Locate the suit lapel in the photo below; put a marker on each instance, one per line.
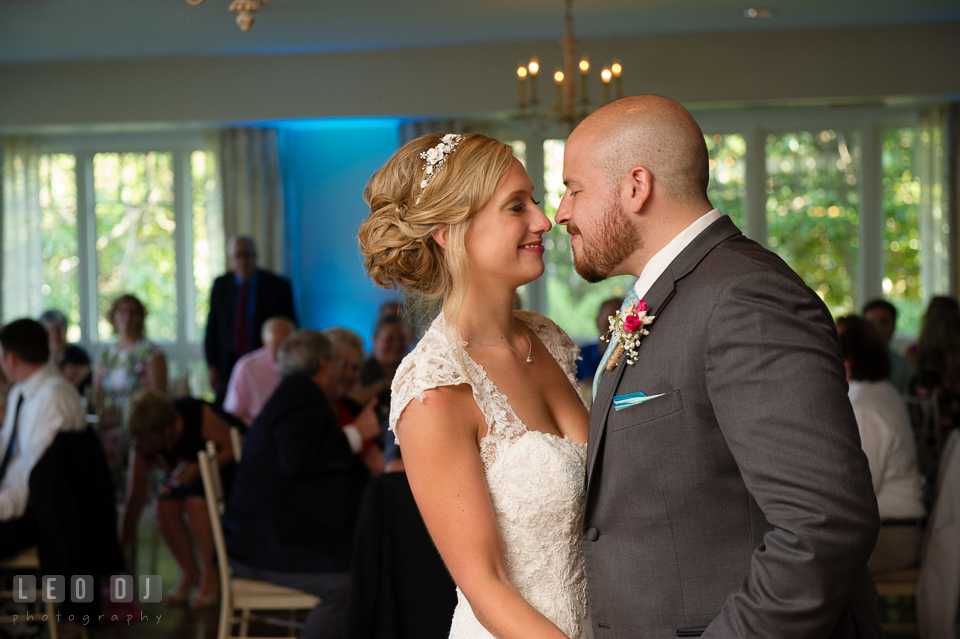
(657, 299)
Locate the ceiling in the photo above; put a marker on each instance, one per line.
(59, 30)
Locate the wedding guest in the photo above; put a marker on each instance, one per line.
(887, 439)
(169, 434)
(396, 307)
(240, 302)
(290, 517)
(938, 358)
(132, 362)
(883, 315)
(42, 403)
(376, 374)
(592, 354)
(256, 374)
(348, 350)
(72, 360)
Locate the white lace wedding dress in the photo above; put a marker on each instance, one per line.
(536, 480)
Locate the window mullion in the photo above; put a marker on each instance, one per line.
(87, 249)
(755, 210)
(183, 244)
(870, 283)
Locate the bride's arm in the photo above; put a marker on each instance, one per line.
(439, 438)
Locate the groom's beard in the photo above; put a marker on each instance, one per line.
(615, 239)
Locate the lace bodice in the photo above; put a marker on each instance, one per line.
(536, 480)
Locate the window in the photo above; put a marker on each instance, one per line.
(149, 223)
(571, 302)
(727, 187)
(850, 198)
(813, 211)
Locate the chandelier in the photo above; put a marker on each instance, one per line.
(243, 8)
(568, 108)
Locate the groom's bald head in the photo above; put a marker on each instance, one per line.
(653, 132)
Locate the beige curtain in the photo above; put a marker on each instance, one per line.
(22, 265)
(253, 191)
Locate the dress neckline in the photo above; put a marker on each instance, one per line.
(499, 395)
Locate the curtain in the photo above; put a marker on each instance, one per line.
(252, 191)
(934, 221)
(22, 266)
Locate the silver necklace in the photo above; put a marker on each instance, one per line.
(529, 343)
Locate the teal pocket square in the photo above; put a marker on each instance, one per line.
(626, 401)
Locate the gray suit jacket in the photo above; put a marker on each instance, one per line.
(738, 504)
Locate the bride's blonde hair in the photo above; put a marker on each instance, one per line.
(397, 237)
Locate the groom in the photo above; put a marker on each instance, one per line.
(729, 496)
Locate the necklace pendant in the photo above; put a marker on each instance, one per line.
(529, 360)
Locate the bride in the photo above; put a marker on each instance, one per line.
(486, 408)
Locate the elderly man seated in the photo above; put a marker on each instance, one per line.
(290, 517)
(256, 375)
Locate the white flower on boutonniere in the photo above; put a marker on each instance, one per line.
(627, 327)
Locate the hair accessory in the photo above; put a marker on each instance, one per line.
(436, 158)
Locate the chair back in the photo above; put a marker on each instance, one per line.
(236, 440)
(208, 466)
(924, 413)
(215, 473)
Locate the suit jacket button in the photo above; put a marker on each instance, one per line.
(593, 534)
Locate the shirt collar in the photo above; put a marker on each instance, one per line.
(665, 256)
(239, 280)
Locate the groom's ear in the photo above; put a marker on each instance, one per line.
(440, 235)
(636, 188)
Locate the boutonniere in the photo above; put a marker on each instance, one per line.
(627, 327)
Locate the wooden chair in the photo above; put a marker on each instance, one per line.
(902, 585)
(924, 413)
(28, 561)
(216, 477)
(239, 595)
(236, 439)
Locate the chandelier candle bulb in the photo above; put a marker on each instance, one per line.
(616, 69)
(605, 75)
(533, 68)
(584, 71)
(522, 76)
(558, 79)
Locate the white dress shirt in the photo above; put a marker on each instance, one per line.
(665, 256)
(887, 439)
(51, 404)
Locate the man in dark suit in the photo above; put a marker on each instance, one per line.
(727, 495)
(290, 516)
(240, 302)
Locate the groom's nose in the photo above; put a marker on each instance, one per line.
(563, 211)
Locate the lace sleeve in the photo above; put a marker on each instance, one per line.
(429, 365)
(563, 349)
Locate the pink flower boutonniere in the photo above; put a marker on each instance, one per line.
(627, 327)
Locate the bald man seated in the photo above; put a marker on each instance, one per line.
(256, 375)
(727, 494)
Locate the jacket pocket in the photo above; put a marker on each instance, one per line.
(690, 632)
(667, 404)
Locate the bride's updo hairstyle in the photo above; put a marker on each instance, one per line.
(397, 237)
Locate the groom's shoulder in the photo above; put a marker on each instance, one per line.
(741, 256)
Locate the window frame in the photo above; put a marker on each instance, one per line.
(180, 144)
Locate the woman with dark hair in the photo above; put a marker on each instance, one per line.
(938, 358)
(887, 439)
